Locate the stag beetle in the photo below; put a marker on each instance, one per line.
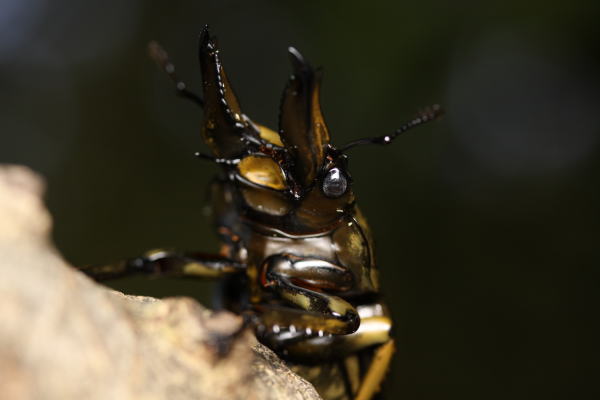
(297, 254)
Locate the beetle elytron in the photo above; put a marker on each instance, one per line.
(297, 253)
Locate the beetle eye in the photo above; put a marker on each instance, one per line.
(335, 183)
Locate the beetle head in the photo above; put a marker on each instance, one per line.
(294, 176)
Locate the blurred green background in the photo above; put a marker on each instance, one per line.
(486, 221)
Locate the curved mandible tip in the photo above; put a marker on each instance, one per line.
(299, 63)
(225, 126)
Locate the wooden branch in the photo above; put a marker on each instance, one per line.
(62, 336)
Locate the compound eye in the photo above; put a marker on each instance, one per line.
(335, 183)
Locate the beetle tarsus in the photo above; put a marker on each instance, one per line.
(168, 263)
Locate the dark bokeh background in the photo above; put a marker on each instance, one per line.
(486, 221)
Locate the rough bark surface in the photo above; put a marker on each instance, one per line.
(62, 336)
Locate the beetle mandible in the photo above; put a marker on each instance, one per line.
(297, 254)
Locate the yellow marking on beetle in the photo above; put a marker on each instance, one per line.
(321, 133)
(339, 306)
(372, 330)
(263, 171)
(266, 201)
(269, 135)
(353, 369)
(197, 269)
(377, 370)
(299, 299)
(327, 322)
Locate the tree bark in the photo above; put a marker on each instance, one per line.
(62, 336)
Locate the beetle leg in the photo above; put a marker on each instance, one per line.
(374, 330)
(167, 263)
(300, 282)
(378, 368)
(359, 384)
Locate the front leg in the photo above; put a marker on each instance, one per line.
(302, 283)
(167, 263)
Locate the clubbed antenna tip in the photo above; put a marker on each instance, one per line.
(161, 58)
(426, 115)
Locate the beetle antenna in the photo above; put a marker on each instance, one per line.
(226, 161)
(427, 115)
(160, 57)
